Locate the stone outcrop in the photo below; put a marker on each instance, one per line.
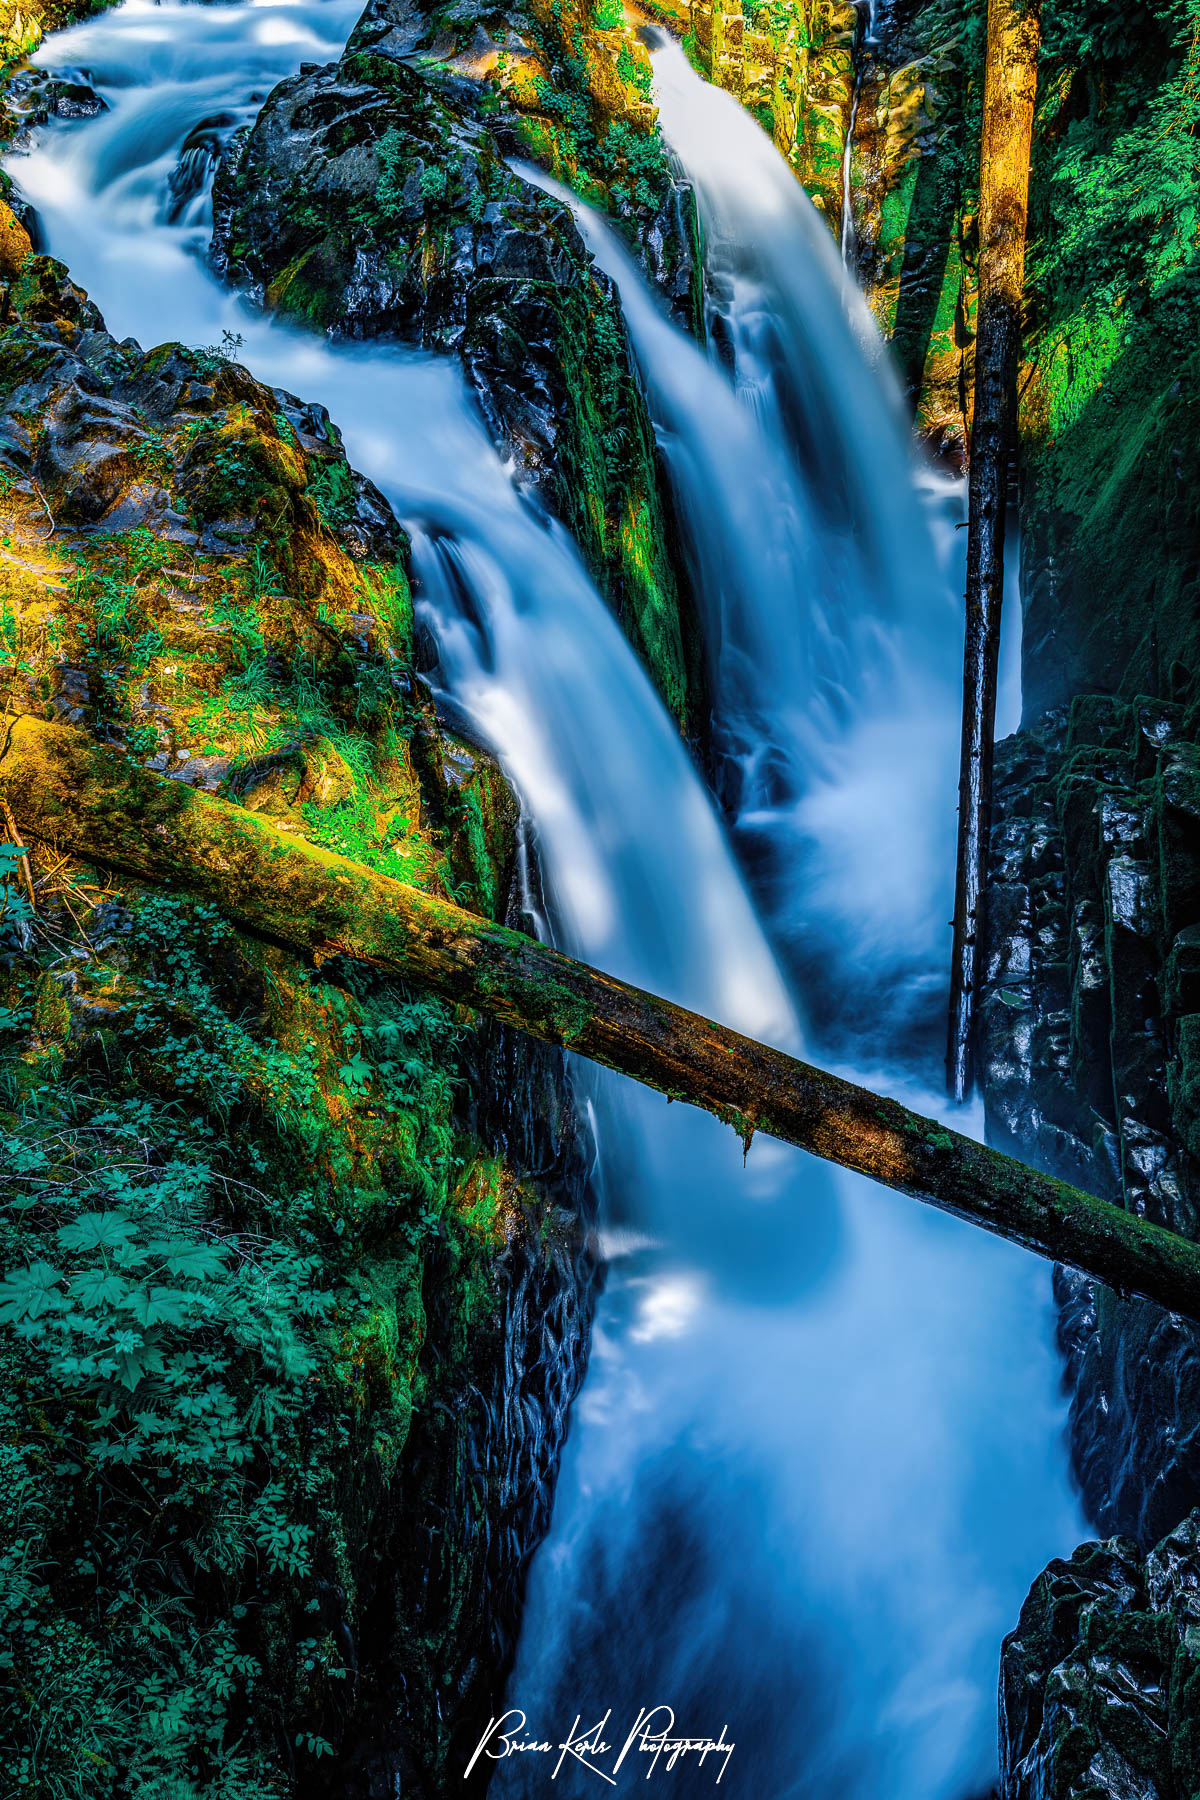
(1100, 1682)
(1090, 1030)
(371, 197)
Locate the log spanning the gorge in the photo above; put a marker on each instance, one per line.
(1009, 91)
(67, 793)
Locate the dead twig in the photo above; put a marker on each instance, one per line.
(53, 527)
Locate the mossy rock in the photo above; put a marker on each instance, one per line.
(366, 201)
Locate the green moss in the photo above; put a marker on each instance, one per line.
(1114, 450)
(1112, 498)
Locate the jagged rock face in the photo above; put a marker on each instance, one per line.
(35, 96)
(1093, 1015)
(194, 574)
(1100, 1681)
(367, 201)
(1089, 1034)
(362, 202)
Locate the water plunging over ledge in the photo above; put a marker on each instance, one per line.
(816, 1459)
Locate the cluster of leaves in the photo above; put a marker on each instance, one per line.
(157, 1369)
(110, 606)
(178, 1416)
(1120, 200)
(393, 160)
(635, 164)
(357, 829)
(331, 490)
(604, 159)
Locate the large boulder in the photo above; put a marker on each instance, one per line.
(366, 200)
(1100, 1681)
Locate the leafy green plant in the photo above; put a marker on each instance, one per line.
(332, 492)
(15, 909)
(389, 191)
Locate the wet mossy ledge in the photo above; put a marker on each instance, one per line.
(373, 198)
(1100, 1681)
(290, 1256)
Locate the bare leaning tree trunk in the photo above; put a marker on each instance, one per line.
(1010, 84)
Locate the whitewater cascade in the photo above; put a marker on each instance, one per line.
(816, 1460)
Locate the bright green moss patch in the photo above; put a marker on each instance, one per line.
(1108, 409)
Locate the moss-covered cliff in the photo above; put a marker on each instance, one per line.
(291, 1256)
(1109, 507)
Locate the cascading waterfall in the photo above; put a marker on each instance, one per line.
(815, 1462)
(810, 684)
(804, 356)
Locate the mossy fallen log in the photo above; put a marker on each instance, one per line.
(67, 792)
(1009, 92)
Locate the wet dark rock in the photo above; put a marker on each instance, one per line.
(1088, 1035)
(35, 96)
(1100, 1681)
(198, 158)
(1087, 1028)
(426, 235)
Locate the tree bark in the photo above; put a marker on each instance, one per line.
(66, 792)
(1010, 84)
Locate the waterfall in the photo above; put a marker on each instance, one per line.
(812, 680)
(815, 1461)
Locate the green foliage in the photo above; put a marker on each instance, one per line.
(638, 73)
(236, 482)
(608, 15)
(635, 163)
(187, 1294)
(1120, 207)
(389, 191)
(357, 830)
(432, 185)
(15, 909)
(332, 492)
(214, 357)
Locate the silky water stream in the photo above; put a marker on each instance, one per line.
(817, 1457)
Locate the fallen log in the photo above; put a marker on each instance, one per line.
(1009, 91)
(67, 792)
